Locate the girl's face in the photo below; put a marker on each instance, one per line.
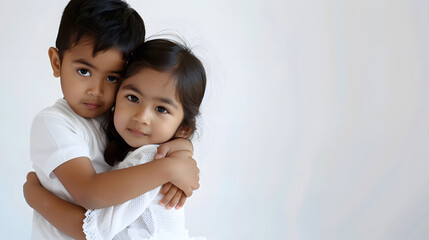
(147, 110)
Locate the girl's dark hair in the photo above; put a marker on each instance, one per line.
(186, 70)
(111, 23)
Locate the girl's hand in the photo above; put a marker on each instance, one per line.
(179, 144)
(173, 196)
(185, 173)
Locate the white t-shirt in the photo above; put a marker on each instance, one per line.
(140, 218)
(58, 134)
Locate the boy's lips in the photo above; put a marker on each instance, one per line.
(92, 105)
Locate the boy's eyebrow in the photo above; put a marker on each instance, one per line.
(164, 100)
(81, 61)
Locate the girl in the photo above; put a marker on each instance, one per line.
(158, 100)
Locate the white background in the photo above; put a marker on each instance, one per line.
(314, 126)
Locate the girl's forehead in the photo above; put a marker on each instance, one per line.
(148, 76)
(151, 82)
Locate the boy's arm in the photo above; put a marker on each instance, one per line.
(105, 223)
(53, 208)
(92, 190)
(50, 150)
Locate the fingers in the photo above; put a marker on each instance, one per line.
(173, 197)
(32, 178)
(162, 151)
(181, 202)
(188, 192)
(30, 175)
(196, 186)
(168, 196)
(165, 188)
(175, 200)
(196, 183)
(192, 185)
(32, 181)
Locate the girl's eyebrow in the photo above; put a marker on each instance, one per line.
(161, 99)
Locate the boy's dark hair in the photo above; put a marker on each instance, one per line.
(190, 80)
(111, 23)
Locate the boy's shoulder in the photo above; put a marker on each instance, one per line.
(60, 108)
(61, 112)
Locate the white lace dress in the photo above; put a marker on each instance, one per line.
(139, 218)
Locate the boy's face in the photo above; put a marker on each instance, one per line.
(89, 83)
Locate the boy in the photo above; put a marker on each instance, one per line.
(94, 39)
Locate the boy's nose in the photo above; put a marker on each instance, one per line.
(96, 89)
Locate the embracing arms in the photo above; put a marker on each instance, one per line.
(53, 208)
(92, 190)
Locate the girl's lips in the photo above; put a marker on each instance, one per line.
(136, 132)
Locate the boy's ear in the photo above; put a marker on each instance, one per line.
(183, 132)
(54, 58)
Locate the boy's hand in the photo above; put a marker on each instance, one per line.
(173, 196)
(179, 144)
(31, 187)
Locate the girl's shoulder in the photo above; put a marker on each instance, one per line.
(139, 156)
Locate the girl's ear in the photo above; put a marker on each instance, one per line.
(54, 58)
(183, 132)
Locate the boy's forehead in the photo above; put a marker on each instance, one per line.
(84, 42)
(110, 59)
(85, 47)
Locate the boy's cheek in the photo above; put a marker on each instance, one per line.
(110, 95)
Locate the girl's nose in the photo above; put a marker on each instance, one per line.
(143, 116)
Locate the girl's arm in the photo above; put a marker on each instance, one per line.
(53, 208)
(92, 190)
(173, 196)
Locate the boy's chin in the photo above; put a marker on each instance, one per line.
(90, 113)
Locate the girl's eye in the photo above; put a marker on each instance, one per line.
(161, 109)
(112, 79)
(133, 98)
(84, 72)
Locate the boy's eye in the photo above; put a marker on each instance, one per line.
(133, 98)
(84, 72)
(112, 79)
(161, 109)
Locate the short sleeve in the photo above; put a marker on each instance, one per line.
(53, 141)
